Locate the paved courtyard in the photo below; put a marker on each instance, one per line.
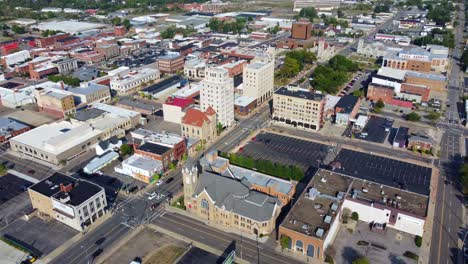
(382, 248)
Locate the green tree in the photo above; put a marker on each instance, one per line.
(116, 21)
(380, 104)
(172, 166)
(413, 116)
(125, 150)
(219, 128)
(285, 242)
(3, 169)
(464, 59)
(126, 23)
(361, 261)
(355, 216)
(418, 241)
(358, 93)
(464, 177)
(433, 116)
(339, 13)
(18, 30)
(308, 12)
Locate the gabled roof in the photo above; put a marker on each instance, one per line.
(195, 117)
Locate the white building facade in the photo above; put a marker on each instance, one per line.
(218, 92)
(258, 80)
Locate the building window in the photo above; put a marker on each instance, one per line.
(204, 204)
(310, 250)
(299, 246)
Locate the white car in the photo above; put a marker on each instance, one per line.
(153, 195)
(159, 182)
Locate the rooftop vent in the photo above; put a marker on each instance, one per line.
(340, 195)
(313, 192)
(334, 206)
(328, 219)
(323, 179)
(319, 232)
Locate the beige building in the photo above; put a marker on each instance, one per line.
(298, 107)
(228, 203)
(199, 125)
(126, 82)
(74, 202)
(258, 79)
(92, 93)
(56, 143)
(57, 103)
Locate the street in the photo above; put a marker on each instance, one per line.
(449, 219)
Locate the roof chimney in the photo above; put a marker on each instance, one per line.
(66, 188)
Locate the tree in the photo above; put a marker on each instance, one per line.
(355, 216)
(380, 104)
(219, 128)
(172, 166)
(18, 30)
(116, 21)
(418, 241)
(433, 116)
(361, 261)
(464, 58)
(339, 13)
(358, 93)
(285, 242)
(126, 23)
(125, 150)
(3, 169)
(308, 12)
(413, 116)
(464, 177)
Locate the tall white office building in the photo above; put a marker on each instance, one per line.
(218, 92)
(258, 79)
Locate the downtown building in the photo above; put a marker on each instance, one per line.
(218, 92)
(296, 107)
(258, 79)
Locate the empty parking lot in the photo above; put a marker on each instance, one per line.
(285, 150)
(386, 171)
(11, 186)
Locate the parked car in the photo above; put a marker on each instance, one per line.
(97, 253)
(159, 182)
(169, 180)
(151, 196)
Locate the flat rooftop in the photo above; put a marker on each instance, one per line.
(313, 214)
(299, 93)
(154, 148)
(68, 26)
(398, 174)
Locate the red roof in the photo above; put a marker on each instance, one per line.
(195, 117)
(180, 102)
(210, 111)
(402, 103)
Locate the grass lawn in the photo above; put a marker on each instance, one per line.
(165, 255)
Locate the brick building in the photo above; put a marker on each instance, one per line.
(302, 29)
(170, 63)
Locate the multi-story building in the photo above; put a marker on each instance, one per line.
(174, 109)
(56, 143)
(165, 147)
(417, 59)
(128, 82)
(74, 202)
(10, 60)
(301, 29)
(65, 65)
(218, 92)
(45, 42)
(199, 125)
(258, 79)
(170, 63)
(195, 69)
(141, 168)
(89, 93)
(58, 103)
(112, 121)
(293, 106)
(109, 51)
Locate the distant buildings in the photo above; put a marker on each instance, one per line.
(296, 107)
(10, 128)
(170, 63)
(73, 202)
(301, 29)
(126, 82)
(218, 92)
(317, 4)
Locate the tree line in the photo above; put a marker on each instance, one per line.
(287, 172)
(294, 62)
(330, 77)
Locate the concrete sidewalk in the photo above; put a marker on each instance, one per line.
(424, 253)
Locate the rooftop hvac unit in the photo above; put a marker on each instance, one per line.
(327, 219)
(319, 233)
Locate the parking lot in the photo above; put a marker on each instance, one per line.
(11, 186)
(157, 123)
(26, 166)
(142, 58)
(386, 248)
(376, 129)
(386, 171)
(43, 235)
(285, 150)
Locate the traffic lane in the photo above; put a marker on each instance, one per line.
(200, 232)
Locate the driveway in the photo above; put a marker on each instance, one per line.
(382, 248)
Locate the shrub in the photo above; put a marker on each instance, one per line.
(380, 104)
(413, 117)
(285, 242)
(329, 259)
(355, 216)
(418, 241)
(411, 255)
(361, 261)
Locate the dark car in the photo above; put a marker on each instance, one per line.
(169, 180)
(100, 241)
(97, 253)
(31, 171)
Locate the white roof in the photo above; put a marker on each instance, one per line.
(392, 73)
(58, 137)
(243, 100)
(68, 26)
(187, 91)
(144, 163)
(116, 110)
(361, 121)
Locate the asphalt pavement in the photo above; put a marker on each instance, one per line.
(449, 221)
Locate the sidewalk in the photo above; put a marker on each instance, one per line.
(424, 253)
